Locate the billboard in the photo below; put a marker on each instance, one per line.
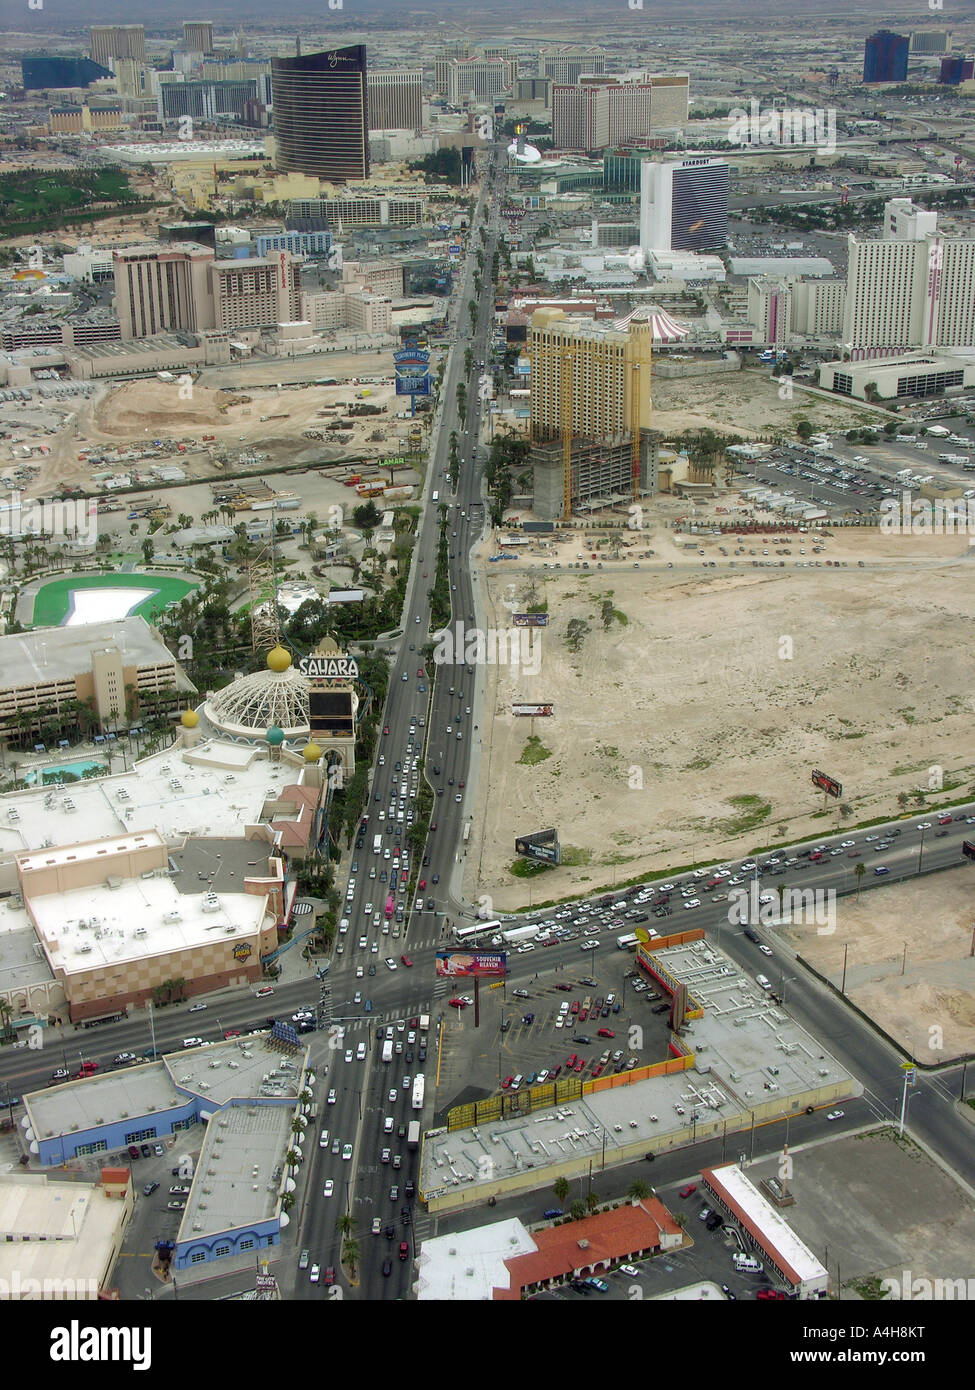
(827, 784)
(528, 619)
(542, 845)
(412, 384)
(466, 964)
(533, 711)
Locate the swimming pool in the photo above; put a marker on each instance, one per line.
(63, 772)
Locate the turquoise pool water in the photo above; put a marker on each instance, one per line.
(51, 774)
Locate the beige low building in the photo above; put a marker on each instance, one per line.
(60, 1240)
(107, 666)
(117, 930)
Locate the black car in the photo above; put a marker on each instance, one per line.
(714, 1221)
(387, 1268)
(581, 1038)
(580, 1286)
(389, 1232)
(422, 1055)
(649, 1157)
(661, 1008)
(727, 1293)
(426, 860)
(149, 1189)
(409, 1189)
(146, 1151)
(405, 1215)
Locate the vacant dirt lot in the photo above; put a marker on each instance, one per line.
(923, 929)
(686, 728)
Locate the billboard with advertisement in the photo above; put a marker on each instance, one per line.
(461, 965)
(542, 845)
(827, 784)
(412, 385)
(527, 619)
(533, 711)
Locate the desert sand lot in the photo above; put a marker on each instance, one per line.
(133, 413)
(712, 685)
(749, 403)
(922, 927)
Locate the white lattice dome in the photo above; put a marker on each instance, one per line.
(253, 704)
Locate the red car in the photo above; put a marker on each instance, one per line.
(573, 1058)
(385, 728)
(686, 1191)
(597, 1069)
(434, 826)
(770, 1293)
(405, 960)
(231, 1032)
(506, 1082)
(565, 987)
(583, 1015)
(605, 1033)
(462, 785)
(422, 884)
(575, 1007)
(554, 1073)
(420, 673)
(329, 1277)
(404, 1250)
(458, 1003)
(580, 1064)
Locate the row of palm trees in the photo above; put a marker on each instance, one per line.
(638, 1191)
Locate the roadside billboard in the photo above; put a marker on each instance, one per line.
(827, 784)
(455, 965)
(533, 711)
(527, 619)
(542, 845)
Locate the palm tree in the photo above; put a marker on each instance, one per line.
(592, 1201)
(350, 1253)
(346, 1224)
(561, 1189)
(292, 1158)
(578, 1209)
(860, 870)
(639, 1190)
(780, 889)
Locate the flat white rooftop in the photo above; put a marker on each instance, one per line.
(776, 1229)
(467, 1266)
(220, 1072)
(238, 1177)
(221, 792)
(59, 653)
(94, 928)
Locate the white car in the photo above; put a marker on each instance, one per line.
(323, 1139)
(390, 963)
(347, 1152)
(589, 946)
(360, 1052)
(765, 950)
(329, 1188)
(630, 1270)
(767, 898)
(693, 902)
(331, 1098)
(195, 1008)
(836, 1115)
(359, 972)
(348, 1054)
(367, 909)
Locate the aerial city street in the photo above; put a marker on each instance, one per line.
(487, 807)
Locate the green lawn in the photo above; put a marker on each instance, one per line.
(53, 602)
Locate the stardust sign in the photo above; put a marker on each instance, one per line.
(329, 668)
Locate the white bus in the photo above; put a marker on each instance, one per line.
(628, 942)
(435, 497)
(467, 832)
(479, 929)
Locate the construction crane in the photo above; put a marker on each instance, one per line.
(263, 595)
